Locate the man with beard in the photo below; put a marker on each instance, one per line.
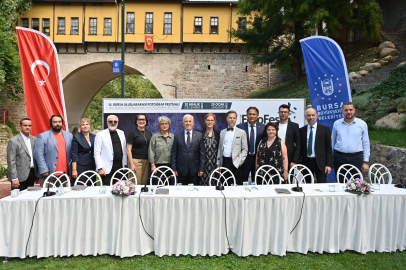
(52, 150)
(350, 140)
(318, 157)
(110, 150)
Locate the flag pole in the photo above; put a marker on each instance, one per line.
(122, 47)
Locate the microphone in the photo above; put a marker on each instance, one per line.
(297, 188)
(219, 186)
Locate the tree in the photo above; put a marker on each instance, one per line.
(275, 27)
(136, 86)
(10, 68)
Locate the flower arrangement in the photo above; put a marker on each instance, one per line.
(123, 188)
(358, 186)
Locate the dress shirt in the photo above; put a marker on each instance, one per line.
(28, 144)
(351, 138)
(255, 135)
(228, 143)
(189, 135)
(314, 139)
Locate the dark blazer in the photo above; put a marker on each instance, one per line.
(292, 142)
(216, 136)
(82, 152)
(322, 146)
(261, 134)
(185, 160)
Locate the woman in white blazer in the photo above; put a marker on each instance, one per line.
(110, 150)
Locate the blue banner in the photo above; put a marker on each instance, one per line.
(327, 77)
(116, 66)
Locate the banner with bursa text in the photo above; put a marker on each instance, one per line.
(41, 79)
(327, 77)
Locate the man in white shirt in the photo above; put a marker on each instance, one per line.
(20, 158)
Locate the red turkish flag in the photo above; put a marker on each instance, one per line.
(149, 43)
(41, 79)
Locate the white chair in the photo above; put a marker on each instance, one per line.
(161, 173)
(221, 176)
(299, 173)
(122, 174)
(88, 175)
(378, 172)
(348, 171)
(270, 172)
(55, 178)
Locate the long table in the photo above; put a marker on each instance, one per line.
(194, 222)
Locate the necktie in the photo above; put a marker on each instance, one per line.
(188, 140)
(252, 141)
(310, 144)
(228, 129)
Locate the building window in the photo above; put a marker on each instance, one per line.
(168, 24)
(74, 28)
(93, 26)
(198, 25)
(242, 23)
(214, 25)
(25, 22)
(130, 22)
(61, 26)
(35, 24)
(149, 23)
(258, 22)
(107, 26)
(45, 27)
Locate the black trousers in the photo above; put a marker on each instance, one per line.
(248, 167)
(107, 179)
(189, 179)
(342, 158)
(228, 163)
(321, 176)
(29, 182)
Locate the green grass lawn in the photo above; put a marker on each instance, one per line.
(387, 136)
(344, 260)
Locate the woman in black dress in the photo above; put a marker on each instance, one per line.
(272, 151)
(211, 138)
(83, 151)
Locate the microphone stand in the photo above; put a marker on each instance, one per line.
(297, 188)
(49, 193)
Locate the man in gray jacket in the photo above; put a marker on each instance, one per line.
(20, 158)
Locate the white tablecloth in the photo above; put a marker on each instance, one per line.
(331, 221)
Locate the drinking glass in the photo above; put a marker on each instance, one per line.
(102, 190)
(331, 188)
(377, 186)
(245, 183)
(150, 191)
(233, 187)
(14, 193)
(59, 191)
(178, 186)
(191, 187)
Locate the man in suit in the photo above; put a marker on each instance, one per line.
(233, 146)
(188, 155)
(255, 133)
(53, 150)
(289, 134)
(317, 157)
(20, 159)
(110, 150)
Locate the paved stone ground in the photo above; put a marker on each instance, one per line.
(5, 188)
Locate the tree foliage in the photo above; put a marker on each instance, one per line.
(275, 27)
(135, 86)
(10, 68)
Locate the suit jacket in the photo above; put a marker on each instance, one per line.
(322, 146)
(184, 160)
(261, 134)
(103, 150)
(18, 158)
(240, 147)
(82, 152)
(292, 142)
(46, 151)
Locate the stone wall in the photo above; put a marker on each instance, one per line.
(17, 109)
(393, 14)
(394, 158)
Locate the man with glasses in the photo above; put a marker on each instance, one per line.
(110, 150)
(289, 134)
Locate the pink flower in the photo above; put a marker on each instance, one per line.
(362, 189)
(361, 181)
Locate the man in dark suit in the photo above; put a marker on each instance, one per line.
(289, 134)
(318, 157)
(188, 153)
(20, 158)
(255, 133)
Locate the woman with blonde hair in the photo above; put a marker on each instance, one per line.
(83, 150)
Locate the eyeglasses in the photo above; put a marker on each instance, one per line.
(283, 112)
(164, 124)
(113, 122)
(141, 120)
